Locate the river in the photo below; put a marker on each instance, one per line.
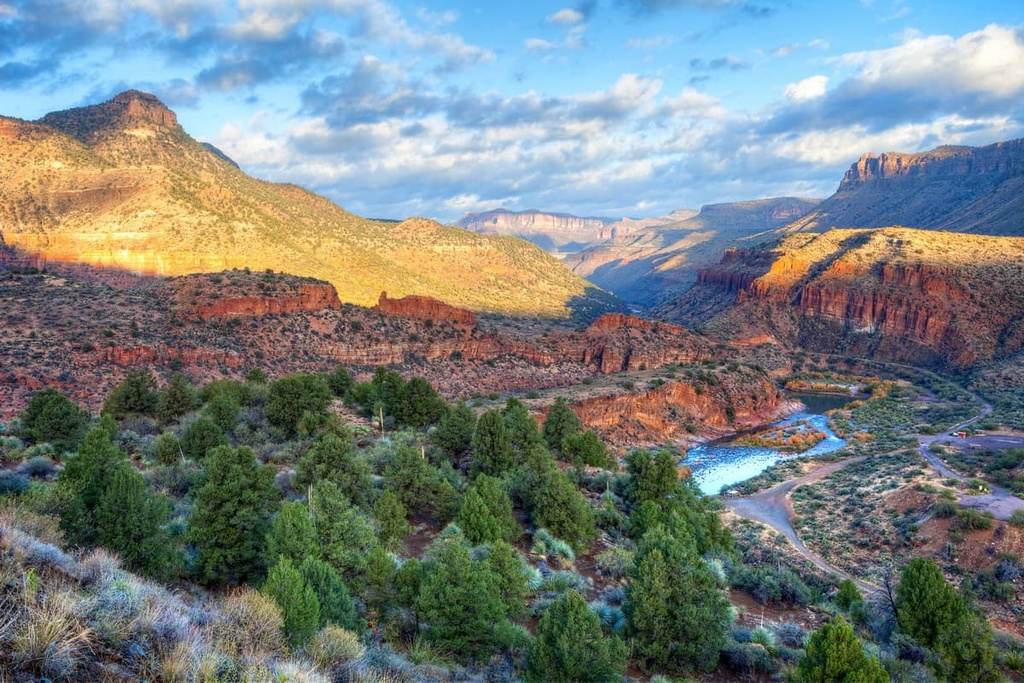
(720, 464)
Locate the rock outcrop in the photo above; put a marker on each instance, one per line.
(425, 308)
(964, 189)
(892, 294)
(312, 297)
(552, 231)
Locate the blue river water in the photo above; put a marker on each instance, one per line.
(718, 465)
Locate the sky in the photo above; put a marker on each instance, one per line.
(396, 108)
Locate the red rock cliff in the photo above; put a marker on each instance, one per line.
(312, 297)
(425, 308)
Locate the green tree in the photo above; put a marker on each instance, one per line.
(499, 505)
(86, 478)
(390, 515)
(340, 382)
(292, 534)
(492, 447)
(231, 516)
(652, 476)
(379, 581)
(522, 429)
(848, 595)
(570, 647)
(678, 617)
(834, 655)
(290, 397)
(336, 606)
(345, 533)
(554, 503)
(418, 404)
(454, 433)
(299, 605)
(965, 653)
(560, 422)
(925, 602)
(176, 399)
(507, 565)
(135, 395)
(201, 436)
(334, 458)
(419, 485)
(584, 449)
(223, 410)
(476, 521)
(167, 449)
(239, 393)
(130, 521)
(461, 603)
(51, 417)
(388, 387)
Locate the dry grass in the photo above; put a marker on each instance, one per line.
(51, 639)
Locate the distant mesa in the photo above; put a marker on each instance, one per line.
(963, 189)
(556, 232)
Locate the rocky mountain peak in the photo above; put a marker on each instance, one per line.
(127, 111)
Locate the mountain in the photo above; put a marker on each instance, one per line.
(644, 261)
(555, 232)
(924, 297)
(964, 189)
(121, 184)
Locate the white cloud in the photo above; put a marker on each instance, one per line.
(807, 89)
(539, 45)
(651, 42)
(566, 16)
(985, 62)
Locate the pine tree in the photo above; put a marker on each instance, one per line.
(677, 615)
(299, 605)
(652, 476)
(340, 382)
(418, 404)
(379, 581)
(86, 478)
(334, 458)
(561, 421)
(201, 436)
(130, 521)
(167, 449)
(454, 433)
(290, 397)
(390, 515)
(925, 602)
(570, 647)
(834, 655)
(554, 503)
(51, 417)
(346, 535)
(336, 606)
(223, 410)
(499, 505)
(176, 399)
(476, 521)
(292, 534)
(584, 449)
(461, 603)
(231, 516)
(135, 395)
(522, 429)
(492, 447)
(420, 486)
(507, 565)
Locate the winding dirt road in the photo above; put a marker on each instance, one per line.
(774, 507)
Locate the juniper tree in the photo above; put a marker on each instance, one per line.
(130, 521)
(292, 534)
(231, 516)
(299, 605)
(570, 647)
(51, 417)
(86, 478)
(560, 422)
(345, 534)
(454, 433)
(336, 606)
(834, 655)
(289, 398)
(499, 505)
(135, 395)
(201, 436)
(390, 514)
(334, 458)
(492, 447)
(476, 521)
(176, 399)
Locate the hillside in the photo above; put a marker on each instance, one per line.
(922, 297)
(644, 261)
(555, 232)
(964, 189)
(121, 184)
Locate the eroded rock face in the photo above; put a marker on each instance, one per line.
(309, 298)
(425, 308)
(893, 294)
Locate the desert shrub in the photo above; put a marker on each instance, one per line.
(944, 509)
(39, 467)
(13, 483)
(334, 647)
(249, 625)
(614, 562)
(970, 519)
(790, 634)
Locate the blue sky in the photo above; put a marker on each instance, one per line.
(396, 108)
